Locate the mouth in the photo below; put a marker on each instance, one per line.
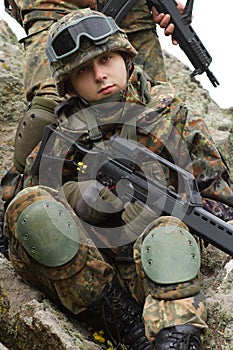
(106, 89)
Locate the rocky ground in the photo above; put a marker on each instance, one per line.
(27, 319)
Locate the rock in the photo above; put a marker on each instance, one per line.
(217, 284)
(12, 102)
(30, 321)
(219, 121)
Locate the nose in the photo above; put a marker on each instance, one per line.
(99, 73)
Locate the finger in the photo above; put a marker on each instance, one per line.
(156, 15)
(132, 210)
(180, 7)
(169, 29)
(154, 11)
(174, 42)
(128, 215)
(164, 23)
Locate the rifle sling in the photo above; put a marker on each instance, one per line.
(117, 9)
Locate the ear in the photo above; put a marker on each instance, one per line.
(70, 89)
(128, 63)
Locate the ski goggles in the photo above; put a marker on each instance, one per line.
(67, 40)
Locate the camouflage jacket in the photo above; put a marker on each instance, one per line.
(154, 117)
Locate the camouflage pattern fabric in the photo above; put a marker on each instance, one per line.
(166, 128)
(62, 69)
(178, 135)
(80, 281)
(38, 16)
(168, 305)
(12, 183)
(37, 74)
(139, 17)
(76, 283)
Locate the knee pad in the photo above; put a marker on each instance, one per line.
(170, 255)
(48, 232)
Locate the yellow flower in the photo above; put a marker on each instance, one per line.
(99, 336)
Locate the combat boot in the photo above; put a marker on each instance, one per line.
(122, 317)
(182, 337)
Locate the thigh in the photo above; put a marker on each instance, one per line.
(37, 74)
(150, 55)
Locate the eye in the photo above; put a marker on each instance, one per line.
(106, 58)
(82, 70)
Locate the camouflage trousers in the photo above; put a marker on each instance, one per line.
(79, 282)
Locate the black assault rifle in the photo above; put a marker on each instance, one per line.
(186, 36)
(119, 169)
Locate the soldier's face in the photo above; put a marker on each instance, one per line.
(103, 76)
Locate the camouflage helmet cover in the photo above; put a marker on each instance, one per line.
(61, 69)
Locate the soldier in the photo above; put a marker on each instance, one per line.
(66, 237)
(36, 17)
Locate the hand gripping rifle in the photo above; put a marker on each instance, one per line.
(186, 36)
(118, 168)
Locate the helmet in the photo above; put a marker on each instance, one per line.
(79, 37)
